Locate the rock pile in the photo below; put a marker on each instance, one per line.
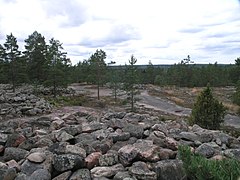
(88, 145)
(19, 104)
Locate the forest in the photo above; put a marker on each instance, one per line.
(46, 63)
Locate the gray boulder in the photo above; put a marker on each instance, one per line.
(208, 149)
(106, 171)
(119, 135)
(14, 153)
(147, 151)
(81, 174)
(233, 153)
(29, 167)
(3, 138)
(116, 123)
(134, 130)
(170, 170)
(141, 171)
(160, 127)
(21, 176)
(63, 176)
(124, 175)
(7, 173)
(40, 174)
(189, 136)
(127, 154)
(67, 162)
(109, 159)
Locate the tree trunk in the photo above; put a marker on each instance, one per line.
(13, 76)
(132, 101)
(98, 90)
(115, 93)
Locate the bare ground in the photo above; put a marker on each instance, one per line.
(173, 100)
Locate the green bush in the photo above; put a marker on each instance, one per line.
(199, 168)
(207, 112)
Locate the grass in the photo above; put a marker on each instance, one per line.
(186, 96)
(61, 101)
(85, 100)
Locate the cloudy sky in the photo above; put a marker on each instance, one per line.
(163, 31)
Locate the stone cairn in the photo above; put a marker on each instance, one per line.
(87, 144)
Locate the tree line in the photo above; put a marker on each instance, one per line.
(40, 63)
(47, 64)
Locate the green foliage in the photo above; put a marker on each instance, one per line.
(58, 64)
(131, 79)
(12, 58)
(36, 57)
(97, 68)
(200, 168)
(207, 112)
(237, 61)
(115, 83)
(37, 65)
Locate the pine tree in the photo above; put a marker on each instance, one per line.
(131, 79)
(58, 62)
(2, 65)
(114, 79)
(97, 68)
(36, 57)
(208, 112)
(12, 55)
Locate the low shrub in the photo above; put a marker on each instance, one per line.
(200, 168)
(207, 112)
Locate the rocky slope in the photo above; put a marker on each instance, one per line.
(88, 144)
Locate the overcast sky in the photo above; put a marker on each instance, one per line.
(163, 31)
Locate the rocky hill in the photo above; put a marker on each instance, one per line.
(91, 144)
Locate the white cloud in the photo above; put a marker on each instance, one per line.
(163, 31)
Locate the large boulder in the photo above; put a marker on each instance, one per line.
(6, 172)
(81, 174)
(106, 171)
(14, 140)
(37, 157)
(40, 174)
(63, 176)
(29, 167)
(233, 153)
(67, 162)
(92, 160)
(14, 153)
(127, 154)
(109, 159)
(141, 171)
(134, 130)
(208, 149)
(170, 170)
(147, 151)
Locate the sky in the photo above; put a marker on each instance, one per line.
(160, 31)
